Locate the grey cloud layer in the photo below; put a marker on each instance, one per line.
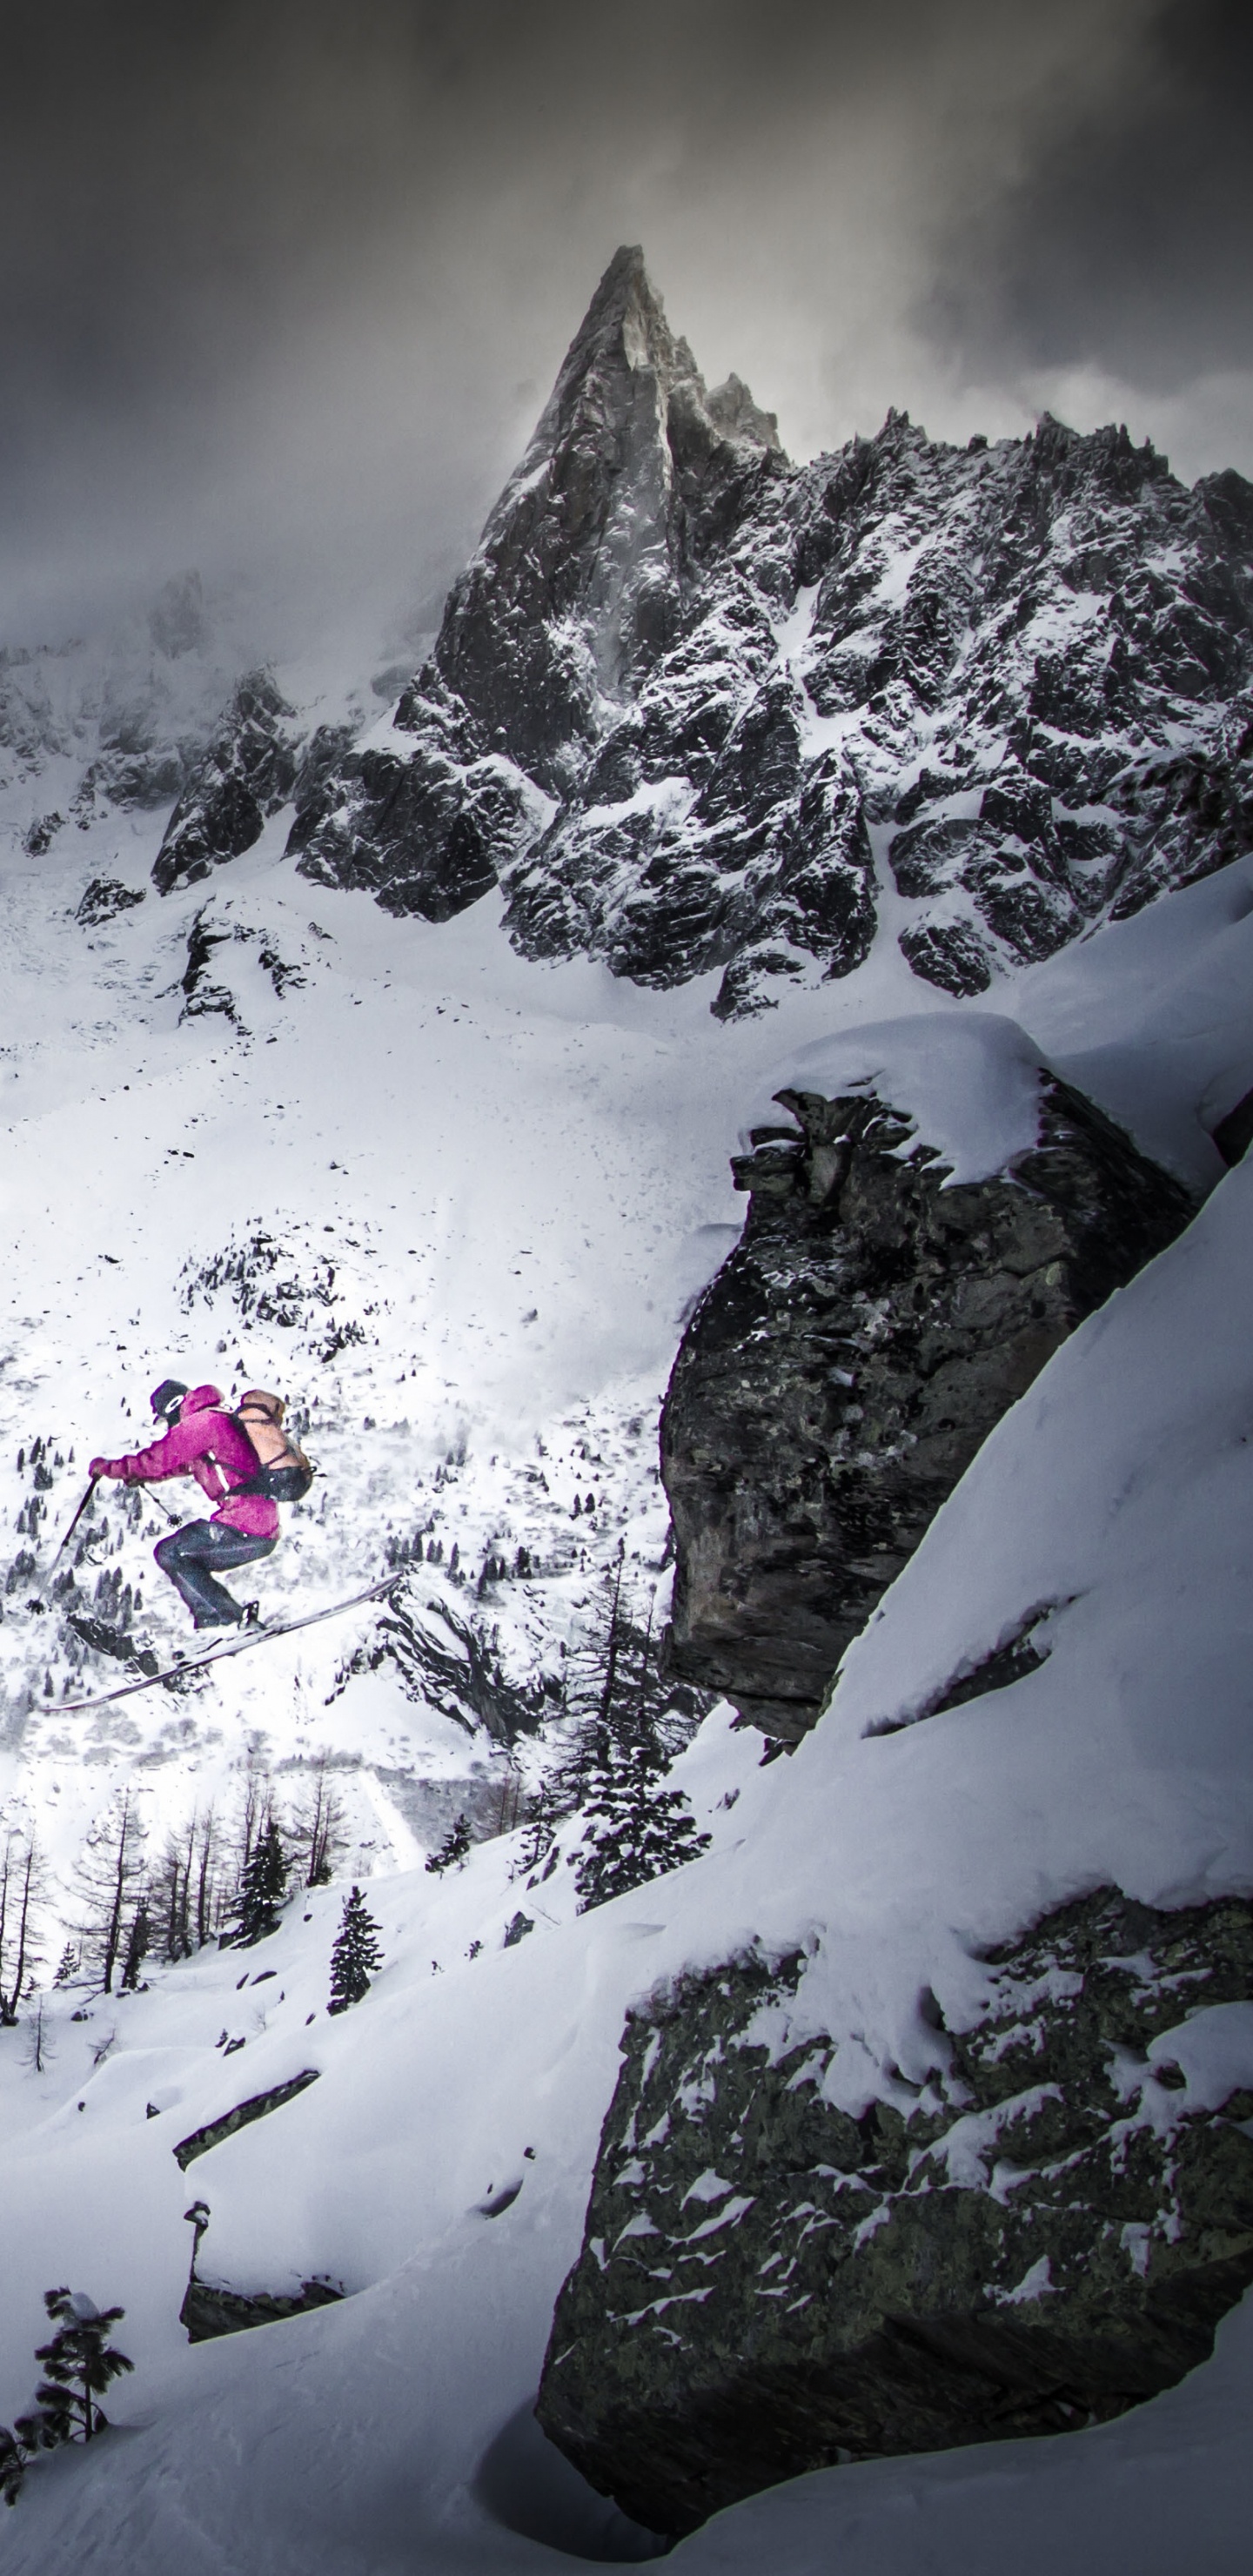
(282, 283)
(1127, 241)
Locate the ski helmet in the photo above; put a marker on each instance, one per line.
(166, 1400)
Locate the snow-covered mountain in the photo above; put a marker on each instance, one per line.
(695, 707)
(375, 1061)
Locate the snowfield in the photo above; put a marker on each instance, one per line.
(492, 1190)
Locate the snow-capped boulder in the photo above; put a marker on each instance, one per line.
(1043, 2232)
(939, 1217)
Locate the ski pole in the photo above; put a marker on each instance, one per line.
(172, 1517)
(77, 1518)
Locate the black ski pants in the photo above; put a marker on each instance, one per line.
(193, 1555)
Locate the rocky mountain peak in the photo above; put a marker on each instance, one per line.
(623, 330)
(693, 706)
(732, 409)
(577, 585)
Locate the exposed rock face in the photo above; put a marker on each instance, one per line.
(426, 825)
(103, 900)
(691, 703)
(257, 2107)
(851, 1356)
(249, 771)
(1043, 2236)
(452, 1665)
(576, 589)
(208, 2311)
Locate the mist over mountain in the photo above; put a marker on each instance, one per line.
(281, 294)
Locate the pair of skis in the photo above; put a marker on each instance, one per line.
(260, 1636)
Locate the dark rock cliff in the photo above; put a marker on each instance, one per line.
(694, 706)
(1041, 2236)
(247, 774)
(851, 1356)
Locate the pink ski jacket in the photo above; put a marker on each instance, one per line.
(211, 1446)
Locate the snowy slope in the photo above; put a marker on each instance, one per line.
(517, 1173)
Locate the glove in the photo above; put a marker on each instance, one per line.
(99, 1467)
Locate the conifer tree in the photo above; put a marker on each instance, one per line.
(263, 1887)
(454, 1849)
(355, 1955)
(636, 1830)
(79, 2364)
(542, 1818)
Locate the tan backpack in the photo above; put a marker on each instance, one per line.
(284, 1474)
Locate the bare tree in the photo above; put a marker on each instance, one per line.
(108, 1879)
(40, 2046)
(170, 1898)
(321, 1835)
(186, 1899)
(138, 1944)
(21, 1887)
(258, 1802)
(206, 1881)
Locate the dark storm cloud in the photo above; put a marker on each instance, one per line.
(1128, 242)
(284, 282)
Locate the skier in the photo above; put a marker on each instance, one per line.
(203, 1440)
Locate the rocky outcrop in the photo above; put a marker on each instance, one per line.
(212, 2308)
(208, 2311)
(689, 702)
(452, 1664)
(425, 823)
(840, 1372)
(257, 2107)
(1042, 2235)
(104, 899)
(248, 772)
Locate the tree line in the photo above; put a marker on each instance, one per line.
(217, 1877)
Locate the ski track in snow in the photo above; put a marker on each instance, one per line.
(519, 1176)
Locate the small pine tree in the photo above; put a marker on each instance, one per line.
(79, 2364)
(68, 1968)
(454, 1849)
(355, 1954)
(539, 1832)
(263, 1886)
(636, 1830)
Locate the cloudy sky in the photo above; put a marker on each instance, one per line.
(283, 283)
